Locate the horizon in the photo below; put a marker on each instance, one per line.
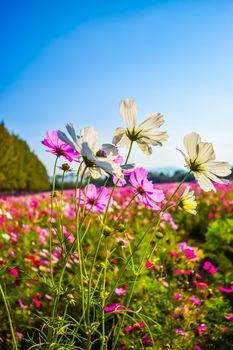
(75, 62)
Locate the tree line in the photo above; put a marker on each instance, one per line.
(20, 168)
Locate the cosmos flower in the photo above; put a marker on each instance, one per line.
(200, 160)
(121, 290)
(96, 198)
(145, 189)
(188, 202)
(58, 147)
(143, 134)
(99, 160)
(113, 308)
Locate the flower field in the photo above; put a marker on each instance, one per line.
(128, 265)
(180, 275)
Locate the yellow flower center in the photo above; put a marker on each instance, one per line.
(133, 134)
(195, 166)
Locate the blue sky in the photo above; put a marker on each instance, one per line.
(74, 61)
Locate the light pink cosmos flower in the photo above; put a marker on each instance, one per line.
(126, 171)
(58, 147)
(181, 332)
(121, 290)
(21, 304)
(145, 189)
(96, 198)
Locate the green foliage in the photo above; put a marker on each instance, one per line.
(20, 168)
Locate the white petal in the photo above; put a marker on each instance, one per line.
(117, 136)
(71, 131)
(146, 149)
(128, 112)
(218, 168)
(87, 152)
(89, 135)
(205, 152)
(153, 137)
(190, 143)
(124, 141)
(215, 178)
(95, 172)
(62, 136)
(154, 120)
(204, 182)
(184, 155)
(111, 150)
(109, 167)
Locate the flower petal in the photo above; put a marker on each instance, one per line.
(154, 120)
(204, 182)
(128, 112)
(218, 168)
(205, 152)
(190, 143)
(153, 137)
(146, 149)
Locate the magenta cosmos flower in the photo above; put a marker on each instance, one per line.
(96, 198)
(145, 189)
(58, 147)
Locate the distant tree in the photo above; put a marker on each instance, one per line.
(20, 168)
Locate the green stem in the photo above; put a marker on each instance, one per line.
(7, 306)
(51, 218)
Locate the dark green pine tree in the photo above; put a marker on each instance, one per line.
(20, 168)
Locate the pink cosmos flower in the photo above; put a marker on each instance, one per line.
(197, 347)
(14, 272)
(202, 328)
(96, 198)
(58, 147)
(122, 241)
(229, 317)
(149, 264)
(113, 308)
(121, 290)
(120, 182)
(146, 340)
(208, 266)
(226, 290)
(19, 335)
(145, 189)
(36, 302)
(195, 300)
(181, 332)
(201, 284)
(21, 304)
(177, 296)
(174, 254)
(190, 254)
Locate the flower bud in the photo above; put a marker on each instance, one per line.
(65, 167)
(107, 230)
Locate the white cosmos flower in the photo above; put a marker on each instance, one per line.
(188, 201)
(200, 160)
(144, 133)
(98, 159)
